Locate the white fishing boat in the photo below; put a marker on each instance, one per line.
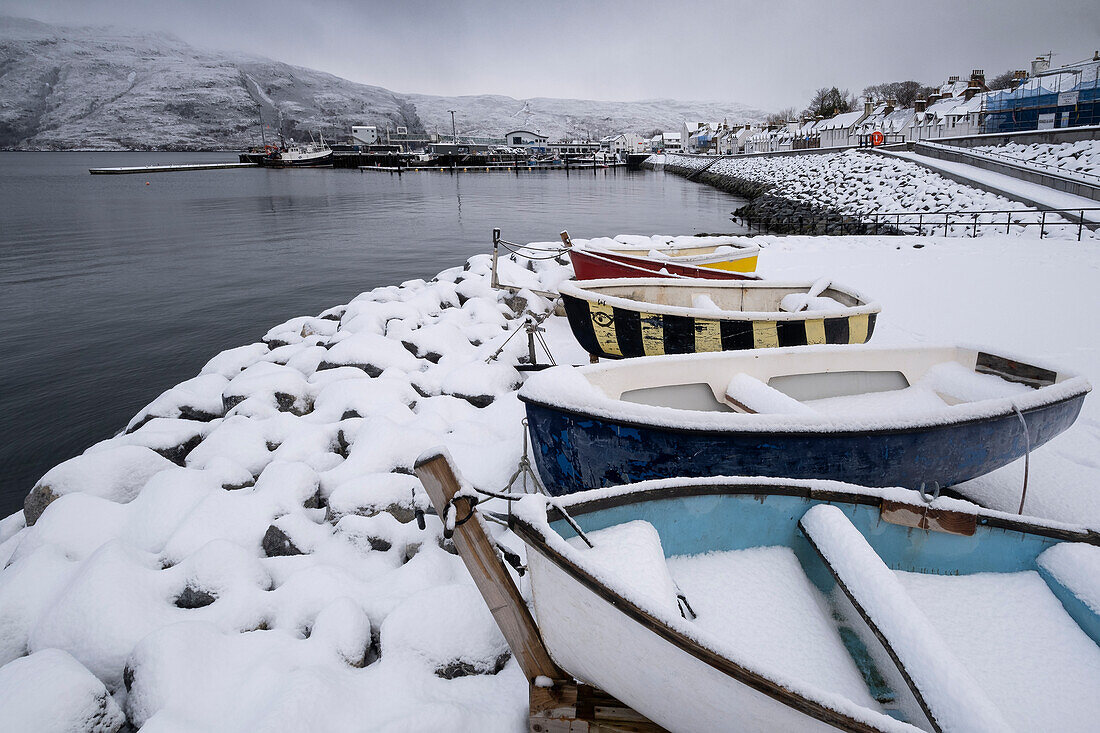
(300, 155)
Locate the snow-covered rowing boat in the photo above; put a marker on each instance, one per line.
(718, 257)
(756, 605)
(911, 417)
(646, 317)
(591, 264)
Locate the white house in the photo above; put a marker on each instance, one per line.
(364, 134)
(671, 141)
(695, 136)
(533, 141)
(627, 142)
(837, 131)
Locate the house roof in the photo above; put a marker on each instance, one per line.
(528, 132)
(843, 121)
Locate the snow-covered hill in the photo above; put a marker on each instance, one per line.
(564, 119)
(65, 87)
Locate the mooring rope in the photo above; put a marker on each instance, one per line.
(1027, 456)
(516, 250)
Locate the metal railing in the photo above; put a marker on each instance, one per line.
(928, 223)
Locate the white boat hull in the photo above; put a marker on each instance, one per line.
(599, 644)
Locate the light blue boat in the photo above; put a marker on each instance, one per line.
(809, 605)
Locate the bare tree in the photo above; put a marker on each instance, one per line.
(902, 91)
(1002, 81)
(782, 116)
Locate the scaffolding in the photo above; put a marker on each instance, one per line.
(1062, 97)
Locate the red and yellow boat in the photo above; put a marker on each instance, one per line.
(712, 258)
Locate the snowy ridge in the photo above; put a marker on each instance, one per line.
(569, 119)
(105, 89)
(67, 87)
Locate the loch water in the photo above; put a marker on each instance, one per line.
(115, 288)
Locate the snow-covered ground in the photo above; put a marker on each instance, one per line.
(1082, 156)
(858, 183)
(246, 558)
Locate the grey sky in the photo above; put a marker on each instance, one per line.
(768, 54)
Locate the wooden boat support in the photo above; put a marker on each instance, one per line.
(566, 707)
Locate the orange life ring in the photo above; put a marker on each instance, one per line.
(877, 138)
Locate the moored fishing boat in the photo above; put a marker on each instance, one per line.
(300, 155)
(723, 254)
(757, 605)
(911, 417)
(644, 317)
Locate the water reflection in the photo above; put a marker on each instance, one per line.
(113, 291)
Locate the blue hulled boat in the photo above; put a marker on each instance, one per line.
(773, 605)
(910, 417)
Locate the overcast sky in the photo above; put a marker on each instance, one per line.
(766, 53)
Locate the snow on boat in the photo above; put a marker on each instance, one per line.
(912, 417)
(756, 605)
(604, 257)
(645, 317)
(593, 264)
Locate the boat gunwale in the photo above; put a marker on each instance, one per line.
(742, 250)
(794, 429)
(578, 505)
(582, 292)
(609, 257)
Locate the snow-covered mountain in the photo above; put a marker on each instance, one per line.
(563, 119)
(64, 87)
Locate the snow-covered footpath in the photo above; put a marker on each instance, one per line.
(246, 557)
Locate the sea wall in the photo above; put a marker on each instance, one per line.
(848, 192)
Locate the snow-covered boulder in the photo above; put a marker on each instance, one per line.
(116, 474)
(50, 692)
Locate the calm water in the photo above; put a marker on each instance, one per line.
(112, 291)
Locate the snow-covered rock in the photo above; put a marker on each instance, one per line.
(859, 184)
(1081, 157)
(116, 474)
(50, 692)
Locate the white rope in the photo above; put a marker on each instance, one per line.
(1027, 456)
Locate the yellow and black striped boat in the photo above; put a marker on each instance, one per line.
(627, 317)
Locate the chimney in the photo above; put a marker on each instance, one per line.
(977, 79)
(971, 91)
(891, 103)
(919, 105)
(868, 107)
(1019, 75)
(952, 79)
(1039, 65)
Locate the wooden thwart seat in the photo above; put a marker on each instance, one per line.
(946, 692)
